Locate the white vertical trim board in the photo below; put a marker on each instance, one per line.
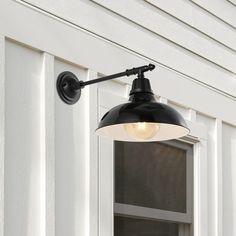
(200, 189)
(192, 115)
(2, 130)
(106, 184)
(183, 230)
(91, 116)
(48, 147)
(233, 152)
(218, 177)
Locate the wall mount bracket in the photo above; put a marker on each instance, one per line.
(69, 86)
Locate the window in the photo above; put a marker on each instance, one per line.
(153, 188)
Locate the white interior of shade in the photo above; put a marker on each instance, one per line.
(165, 132)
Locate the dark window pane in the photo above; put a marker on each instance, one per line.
(124, 226)
(150, 175)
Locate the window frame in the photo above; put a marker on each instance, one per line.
(158, 214)
(184, 220)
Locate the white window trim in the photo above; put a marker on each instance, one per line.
(150, 213)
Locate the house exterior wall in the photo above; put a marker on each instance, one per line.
(52, 176)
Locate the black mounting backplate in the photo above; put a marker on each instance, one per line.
(67, 87)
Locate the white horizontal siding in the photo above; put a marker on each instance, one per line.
(221, 9)
(200, 19)
(149, 45)
(232, 2)
(168, 27)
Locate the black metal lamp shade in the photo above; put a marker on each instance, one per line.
(169, 123)
(142, 119)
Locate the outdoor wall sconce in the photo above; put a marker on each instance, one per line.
(142, 119)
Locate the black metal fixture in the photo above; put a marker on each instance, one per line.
(141, 119)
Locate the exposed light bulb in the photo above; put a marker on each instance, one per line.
(141, 130)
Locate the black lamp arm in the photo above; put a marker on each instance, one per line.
(137, 70)
(69, 86)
